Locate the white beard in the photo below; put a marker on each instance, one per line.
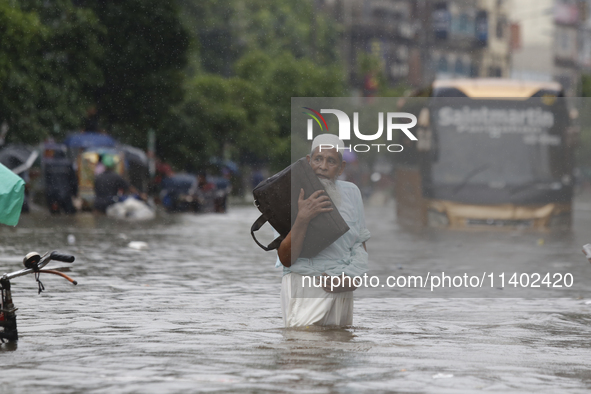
(332, 191)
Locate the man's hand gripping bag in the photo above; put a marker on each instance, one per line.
(277, 199)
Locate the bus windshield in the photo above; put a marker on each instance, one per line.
(498, 142)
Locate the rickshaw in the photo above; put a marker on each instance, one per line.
(87, 150)
(89, 165)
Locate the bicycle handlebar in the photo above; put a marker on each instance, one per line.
(66, 258)
(45, 259)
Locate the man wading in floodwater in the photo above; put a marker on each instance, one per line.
(304, 304)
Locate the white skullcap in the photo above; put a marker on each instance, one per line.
(328, 139)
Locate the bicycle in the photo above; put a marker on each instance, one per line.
(33, 263)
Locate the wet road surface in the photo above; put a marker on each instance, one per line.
(199, 311)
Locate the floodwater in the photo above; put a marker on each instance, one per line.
(198, 310)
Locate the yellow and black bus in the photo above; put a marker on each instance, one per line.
(491, 153)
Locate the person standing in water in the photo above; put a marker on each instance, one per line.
(308, 305)
(108, 185)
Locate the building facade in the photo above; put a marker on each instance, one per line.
(533, 57)
(418, 41)
(568, 39)
(556, 41)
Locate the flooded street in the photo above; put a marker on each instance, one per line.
(198, 310)
(475, 116)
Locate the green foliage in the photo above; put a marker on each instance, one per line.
(272, 50)
(218, 114)
(215, 79)
(58, 60)
(49, 56)
(368, 63)
(289, 26)
(145, 53)
(228, 29)
(282, 77)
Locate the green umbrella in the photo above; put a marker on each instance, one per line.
(12, 195)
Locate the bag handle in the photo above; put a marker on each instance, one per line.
(256, 226)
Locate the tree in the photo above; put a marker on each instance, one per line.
(282, 77)
(226, 30)
(59, 59)
(49, 55)
(219, 116)
(145, 49)
(278, 50)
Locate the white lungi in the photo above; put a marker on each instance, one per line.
(306, 306)
(312, 305)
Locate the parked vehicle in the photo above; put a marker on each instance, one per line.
(190, 193)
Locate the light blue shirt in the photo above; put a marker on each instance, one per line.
(345, 255)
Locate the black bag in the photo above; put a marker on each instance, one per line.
(277, 199)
